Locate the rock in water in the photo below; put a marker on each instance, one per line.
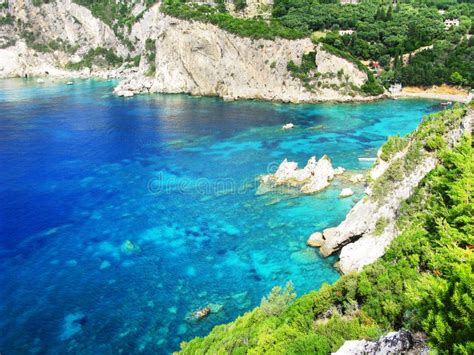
(346, 192)
(128, 247)
(322, 173)
(356, 178)
(339, 170)
(202, 313)
(315, 240)
(314, 177)
(72, 325)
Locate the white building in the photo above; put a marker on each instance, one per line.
(450, 22)
(395, 88)
(345, 32)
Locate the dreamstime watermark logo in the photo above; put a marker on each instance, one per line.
(164, 183)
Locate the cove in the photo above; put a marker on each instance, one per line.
(118, 216)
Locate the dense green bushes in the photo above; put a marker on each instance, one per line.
(306, 71)
(253, 28)
(394, 145)
(429, 137)
(445, 63)
(278, 300)
(372, 87)
(101, 57)
(423, 283)
(381, 32)
(114, 13)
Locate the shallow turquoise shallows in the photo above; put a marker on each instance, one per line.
(119, 217)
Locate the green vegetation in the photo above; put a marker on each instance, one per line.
(240, 4)
(253, 28)
(32, 41)
(380, 226)
(306, 71)
(6, 20)
(150, 54)
(428, 138)
(394, 145)
(278, 300)
(101, 57)
(114, 13)
(422, 283)
(447, 62)
(382, 33)
(40, 2)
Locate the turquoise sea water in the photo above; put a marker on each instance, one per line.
(82, 172)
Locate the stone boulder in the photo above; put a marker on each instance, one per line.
(315, 240)
(346, 192)
(314, 177)
(356, 178)
(401, 342)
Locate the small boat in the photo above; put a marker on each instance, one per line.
(446, 103)
(69, 83)
(367, 159)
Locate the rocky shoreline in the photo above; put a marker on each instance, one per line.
(370, 226)
(174, 56)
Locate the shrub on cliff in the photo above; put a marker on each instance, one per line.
(99, 56)
(372, 87)
(278, 300)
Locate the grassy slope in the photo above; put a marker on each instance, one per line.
(424, 282)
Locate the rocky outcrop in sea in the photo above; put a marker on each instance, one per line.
(314, 177)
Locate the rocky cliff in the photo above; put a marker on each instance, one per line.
(370, 226)
(42, 39)
(201, 59)
(174, 56)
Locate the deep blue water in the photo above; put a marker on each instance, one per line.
(82, 172)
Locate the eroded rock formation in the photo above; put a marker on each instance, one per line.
(314, 177)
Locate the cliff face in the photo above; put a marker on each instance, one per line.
(201, 59)
(189, 57)
(42, 39)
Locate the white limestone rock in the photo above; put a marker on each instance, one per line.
(339, 171)
(315, 240)
(401, 342)
(202, 59)
(124, 93)
(314, 177)
(322, 173)
(346, 192)
(356, 178)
